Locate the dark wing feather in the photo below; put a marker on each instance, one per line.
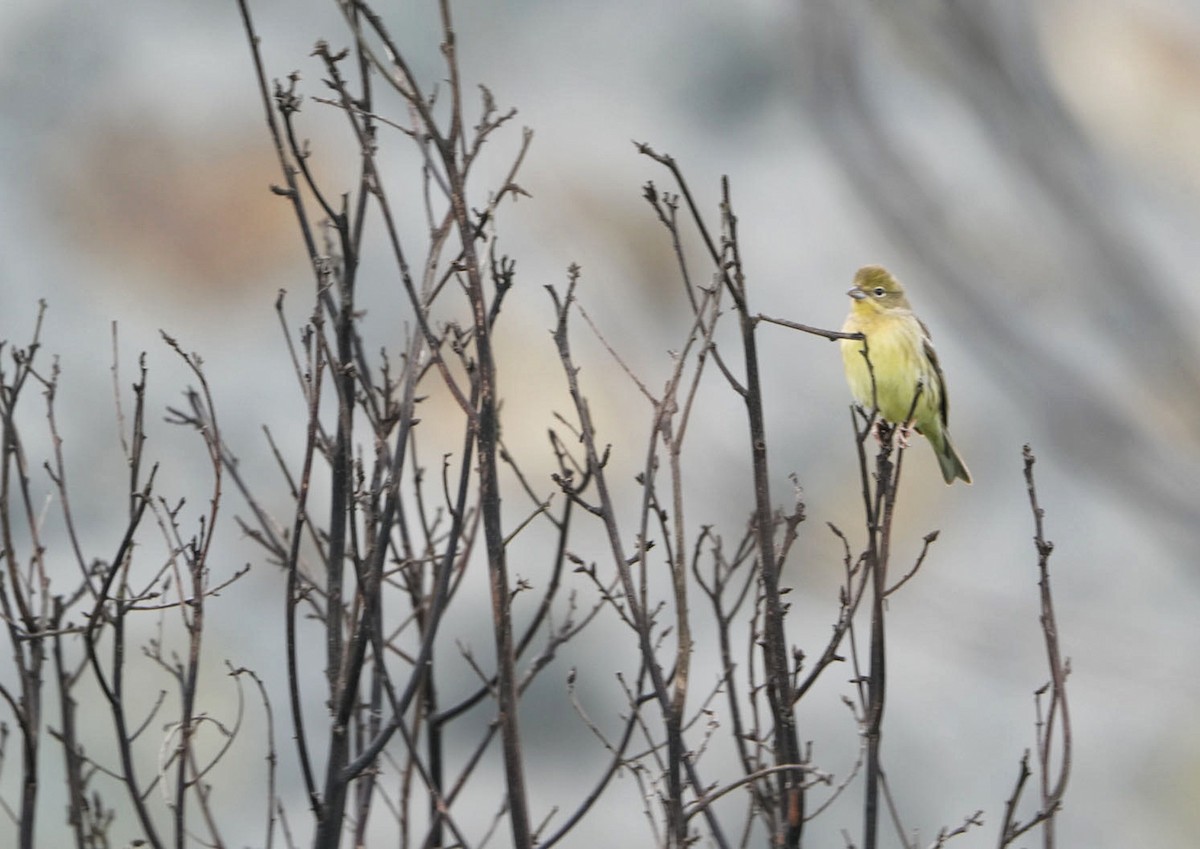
(937, 369)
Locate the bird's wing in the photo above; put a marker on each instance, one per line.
(943, 397)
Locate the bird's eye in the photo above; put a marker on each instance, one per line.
(879, 291)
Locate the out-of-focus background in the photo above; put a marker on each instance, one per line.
(1028, 169)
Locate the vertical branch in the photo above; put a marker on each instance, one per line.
(365, 517)
(1058, 715)
(666, 410)
(192, 608)
(639, 616)
(287, 101)
(346, 641)
(775, 654)
(727, 260)
(486, 426)
(76, 802)
(17, 595)
(774, 642)
(109, 608)
(876, 564)
(312, 382)
(879, 506)
(671, 415)
(1052, 785)
(113, 689)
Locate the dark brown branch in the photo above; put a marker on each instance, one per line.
(1052, 786)
(832, 335)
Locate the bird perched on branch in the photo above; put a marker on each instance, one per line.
(908, 388)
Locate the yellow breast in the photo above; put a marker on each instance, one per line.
(896, 346)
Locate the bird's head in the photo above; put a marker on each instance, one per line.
(876, 289)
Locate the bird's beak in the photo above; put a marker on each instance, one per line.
(857, 293)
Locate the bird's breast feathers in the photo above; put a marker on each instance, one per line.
(896, 345)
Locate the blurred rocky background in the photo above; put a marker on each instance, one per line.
(1028, 169)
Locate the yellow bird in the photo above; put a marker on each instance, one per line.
(902, 358)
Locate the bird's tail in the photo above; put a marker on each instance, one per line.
(952, 465)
